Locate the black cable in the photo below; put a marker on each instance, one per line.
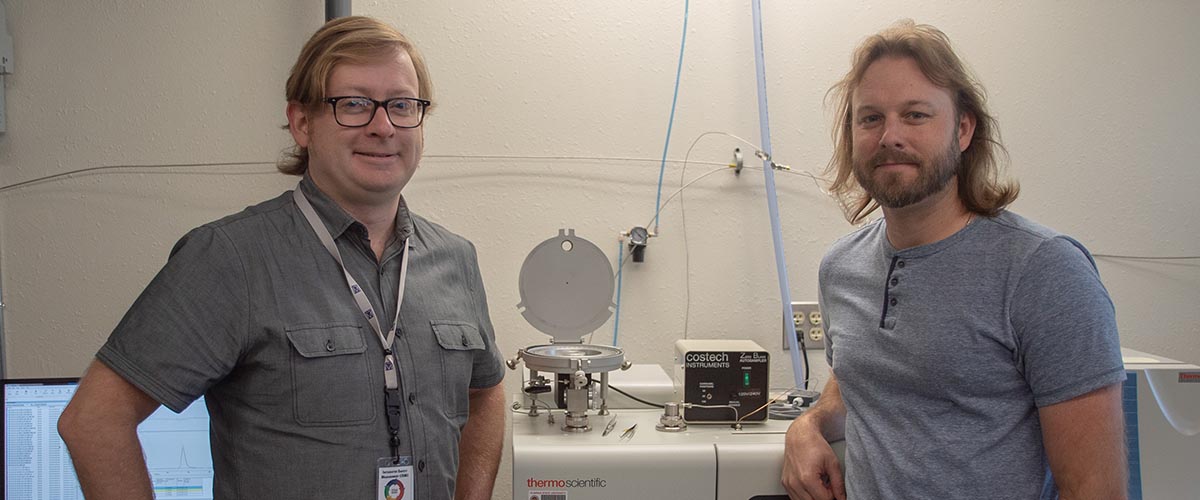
(807, 364)
(1135, 257)
(38, 180)
(46, 178)
(631, 396)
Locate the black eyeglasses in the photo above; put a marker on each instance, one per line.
(358, 111)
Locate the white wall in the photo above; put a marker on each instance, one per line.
(1095, 99)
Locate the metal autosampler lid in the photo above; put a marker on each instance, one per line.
(566, 287)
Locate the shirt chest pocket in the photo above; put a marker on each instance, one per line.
(330, 375)
(460, 342)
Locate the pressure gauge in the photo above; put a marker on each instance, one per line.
(638, 237)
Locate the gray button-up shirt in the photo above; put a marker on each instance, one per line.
(253, 312)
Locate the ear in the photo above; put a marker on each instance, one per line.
(298, 123)
(966, 130)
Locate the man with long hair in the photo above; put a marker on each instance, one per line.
(974, 353)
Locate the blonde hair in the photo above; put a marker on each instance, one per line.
(353, 39)
(980, 185)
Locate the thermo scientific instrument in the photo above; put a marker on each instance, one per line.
(622, 449)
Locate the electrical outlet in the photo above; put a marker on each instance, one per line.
(809, 325)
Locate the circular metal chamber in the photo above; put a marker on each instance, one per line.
(569, 358)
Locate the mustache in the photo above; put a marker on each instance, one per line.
(892, 156)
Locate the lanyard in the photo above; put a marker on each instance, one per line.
(391, 393)
(389, 360)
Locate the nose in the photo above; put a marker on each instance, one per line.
(890, 137)
(380, 124)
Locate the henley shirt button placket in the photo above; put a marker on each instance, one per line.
(893, 301)
(900, 264)
(895, 281)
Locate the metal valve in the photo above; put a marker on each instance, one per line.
(671, 421)
(579, 380)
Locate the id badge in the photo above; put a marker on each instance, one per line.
(395, 478)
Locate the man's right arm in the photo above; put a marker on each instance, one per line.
(810, 468)
(99, 427)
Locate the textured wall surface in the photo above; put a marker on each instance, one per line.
(553, 114)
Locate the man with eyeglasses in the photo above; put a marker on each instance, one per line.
(343, 343)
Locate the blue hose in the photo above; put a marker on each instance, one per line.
(617, 313)
(671, 121)
(661, 169)
(772, 203)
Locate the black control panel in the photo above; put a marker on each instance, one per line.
(736, 379)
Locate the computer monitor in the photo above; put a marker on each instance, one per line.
(38, 467)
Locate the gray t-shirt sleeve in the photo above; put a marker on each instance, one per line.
(1065, 324)
(488, 368)
(183, 332)
(824, 316)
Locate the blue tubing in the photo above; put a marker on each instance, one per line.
(772, 202)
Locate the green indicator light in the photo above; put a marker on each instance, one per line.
(746, 379)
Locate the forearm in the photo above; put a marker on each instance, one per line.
(1085, 444)
(99, 427)
(481, 445)
(111, 467)
(828, 414)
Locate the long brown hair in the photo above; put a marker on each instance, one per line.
(980, 185)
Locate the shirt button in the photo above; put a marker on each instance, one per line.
(466, 342)
(900, 264)
(895, 281)
(894, 301)
(412, 398)
(329, 345)
(421, 466)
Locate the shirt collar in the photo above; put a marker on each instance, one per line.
(337, 221)
(929, 248)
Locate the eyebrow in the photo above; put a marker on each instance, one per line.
(907, 104)
(360, 91)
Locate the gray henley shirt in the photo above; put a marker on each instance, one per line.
(944, 353)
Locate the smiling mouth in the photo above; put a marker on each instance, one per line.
(375, 155)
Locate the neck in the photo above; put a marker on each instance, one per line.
(380, 221)
(928, 221)
(376, 212)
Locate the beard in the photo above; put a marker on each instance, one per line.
(891, 192)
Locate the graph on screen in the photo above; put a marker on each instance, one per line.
(37, 465)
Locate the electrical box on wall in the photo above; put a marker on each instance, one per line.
(810, 327)
(728, 377)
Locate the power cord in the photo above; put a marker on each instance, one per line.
(635, 398)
